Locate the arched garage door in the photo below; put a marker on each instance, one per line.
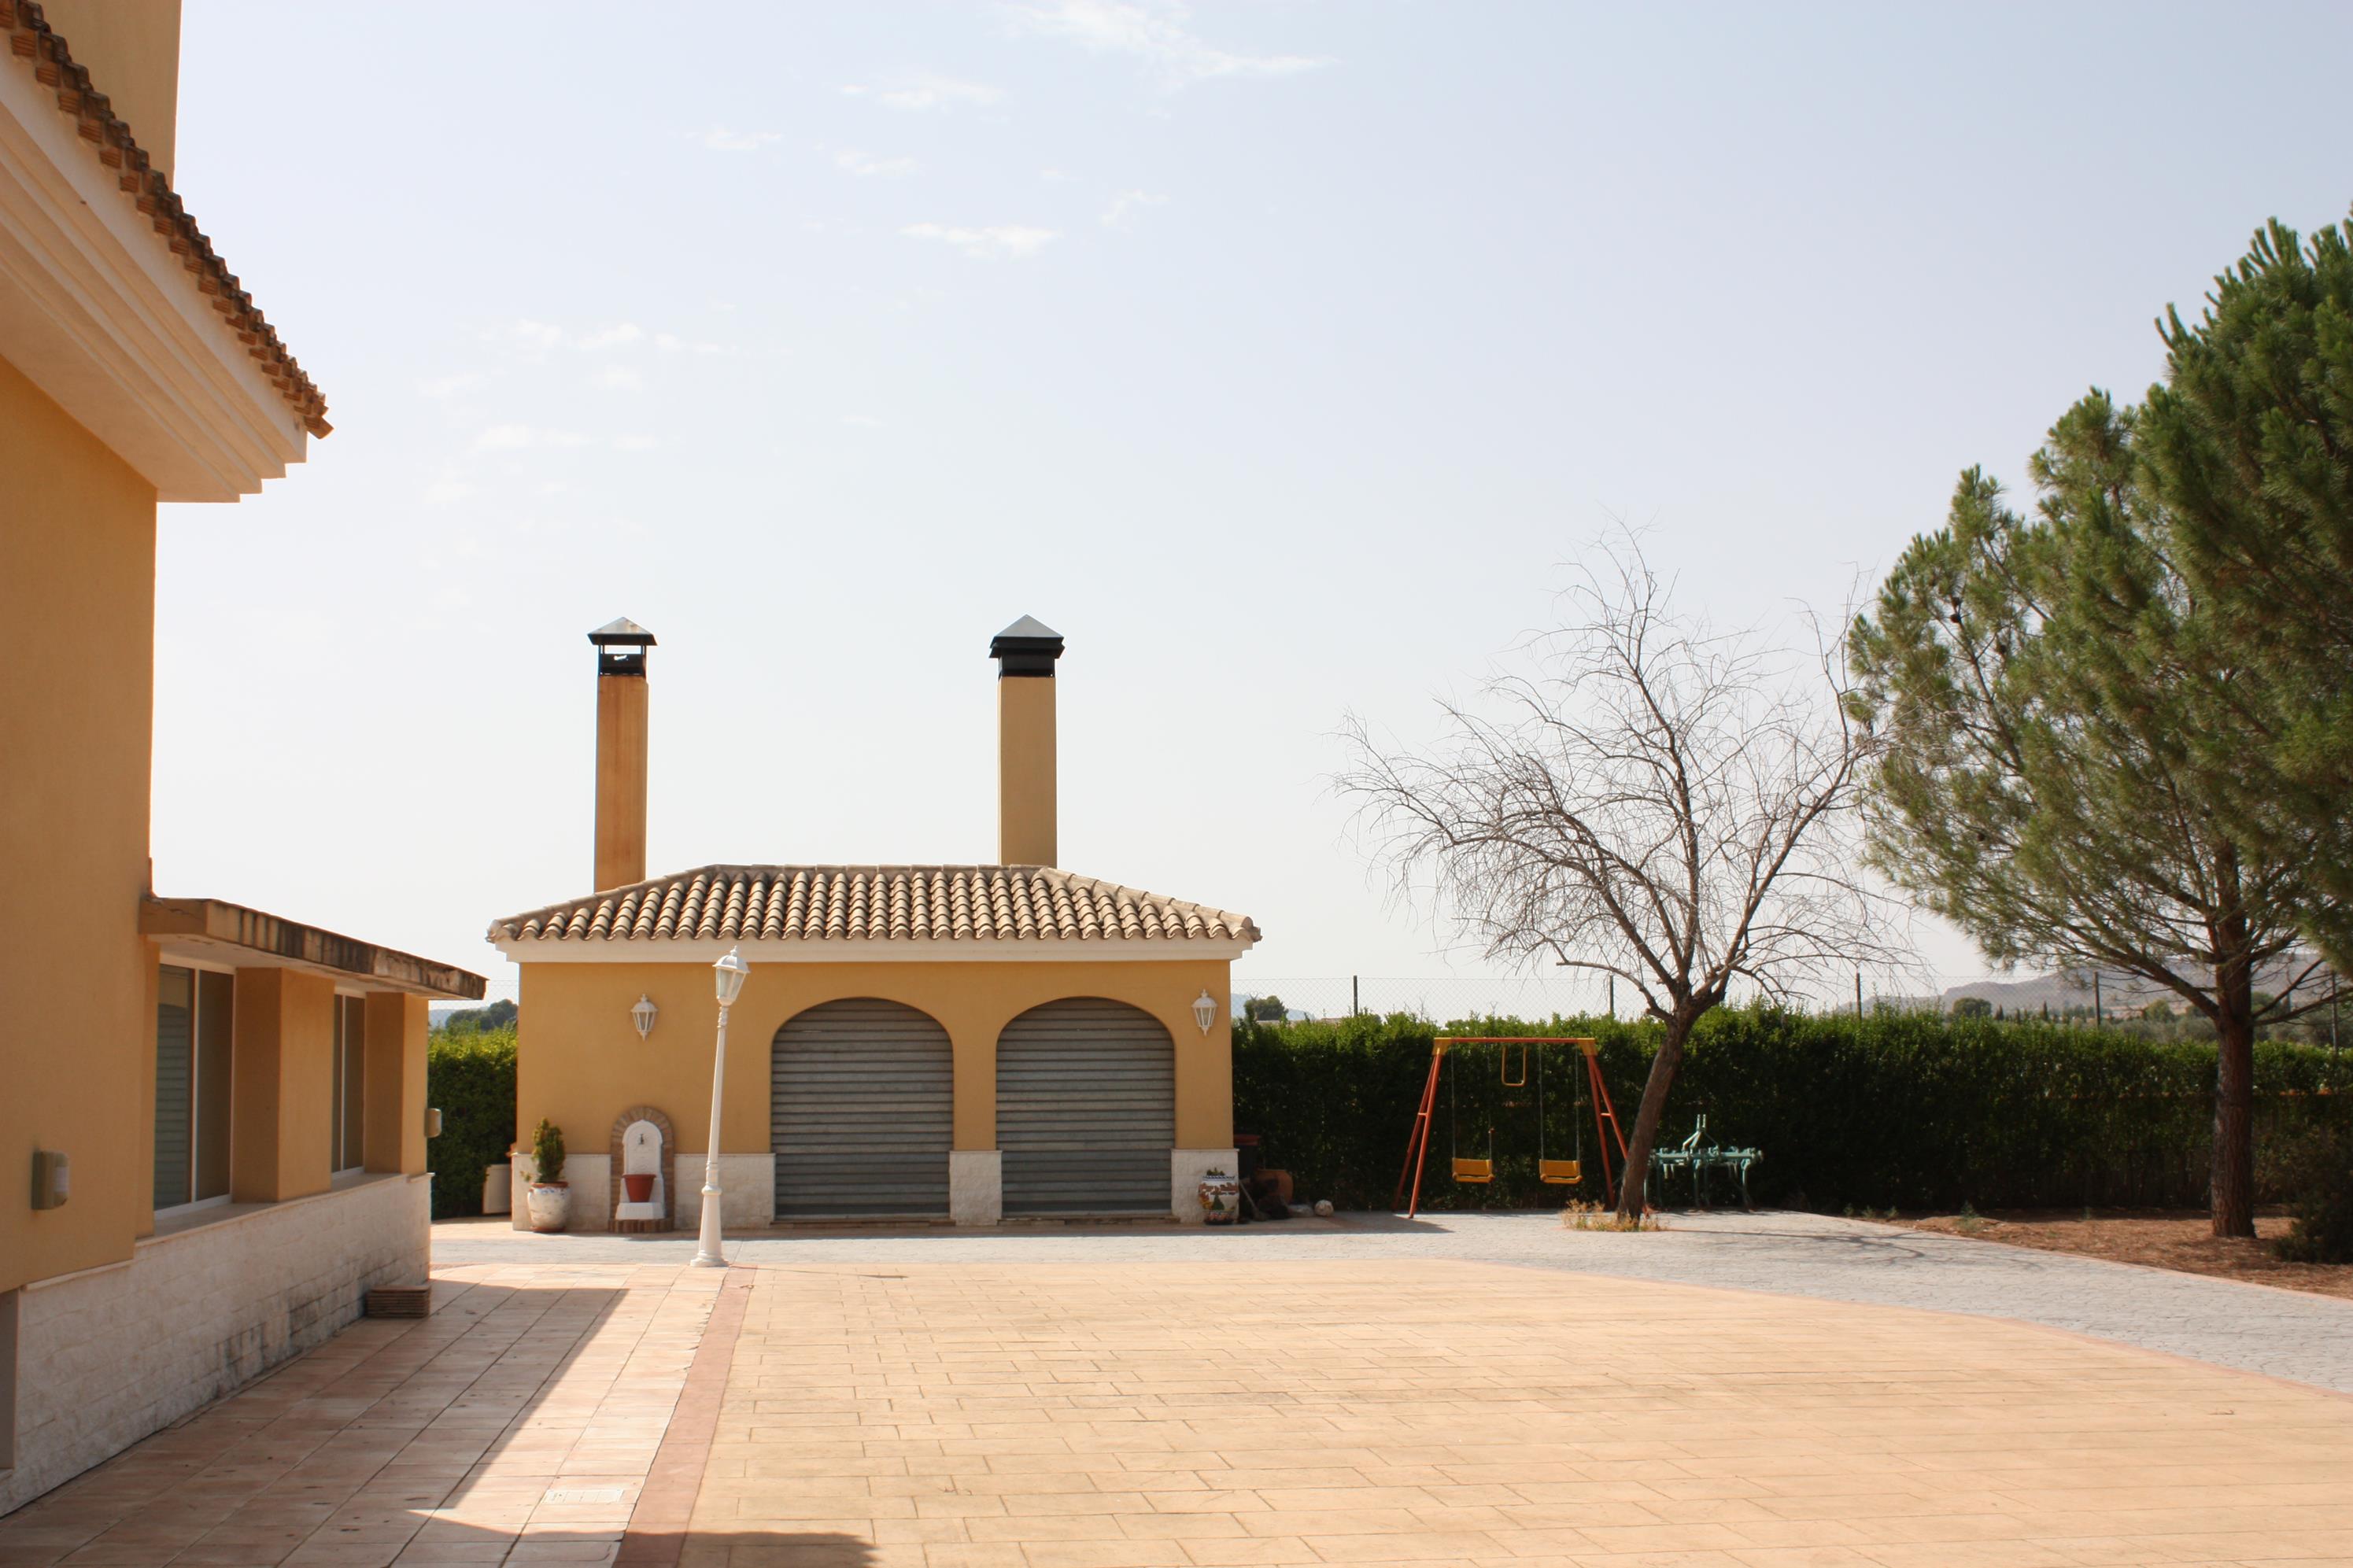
(1086, 1109)
(862, 1098)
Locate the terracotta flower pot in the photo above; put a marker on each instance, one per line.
(640, 1188)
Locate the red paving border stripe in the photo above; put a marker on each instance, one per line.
(657, 1532)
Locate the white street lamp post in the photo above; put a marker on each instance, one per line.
(730, 972)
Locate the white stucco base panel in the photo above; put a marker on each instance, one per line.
(1185, 1169)
(747, 1188)
(977, 1186)
(108, 1355)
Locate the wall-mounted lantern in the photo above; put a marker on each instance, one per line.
(642, 1016)
(1205, 1011)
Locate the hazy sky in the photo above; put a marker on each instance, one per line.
(1277, 354)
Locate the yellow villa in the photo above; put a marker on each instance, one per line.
(963, 1043)
(214, 1116)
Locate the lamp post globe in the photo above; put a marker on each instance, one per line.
(728, 976)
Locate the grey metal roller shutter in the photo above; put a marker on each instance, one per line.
(861, 1104)
(1086, 1109)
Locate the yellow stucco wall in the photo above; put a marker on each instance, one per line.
(1026, 812)
(78, 597)
(580, 1062)
(395, 1039)
(284, 1078)
(621, 738)
(132, 50)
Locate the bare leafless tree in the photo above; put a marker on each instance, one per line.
(1647, 798)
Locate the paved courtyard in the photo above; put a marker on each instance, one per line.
(1482, 1389)
(2287, 1334)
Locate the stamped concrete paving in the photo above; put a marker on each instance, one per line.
(976, 1415)
(2290, 1334)
(1181, 1397)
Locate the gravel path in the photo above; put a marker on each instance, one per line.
(2303, 1338)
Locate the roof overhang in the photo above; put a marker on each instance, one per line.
(982, 950)
(231, 933)
(100, 314)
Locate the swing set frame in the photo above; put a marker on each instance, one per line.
(1417, 1144)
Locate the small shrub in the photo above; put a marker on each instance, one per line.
(547, 1150)
(2323, 1232)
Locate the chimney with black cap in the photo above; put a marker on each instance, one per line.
(1024, 653)
(620, 752)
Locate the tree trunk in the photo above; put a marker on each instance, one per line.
(2232, 1189)
(1646, 1119)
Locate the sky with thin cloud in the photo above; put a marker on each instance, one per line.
(1281, 355)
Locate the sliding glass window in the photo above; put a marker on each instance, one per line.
(347, 1102)
(193, 1010)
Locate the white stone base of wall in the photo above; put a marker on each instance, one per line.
(977, 1186)
(1185, 1169)
(108, 1355)
(747, 1187)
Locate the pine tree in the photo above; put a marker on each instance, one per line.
(2035, 684)
(2249, 452)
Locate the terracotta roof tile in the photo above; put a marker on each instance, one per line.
(876, 903)
(32, 42)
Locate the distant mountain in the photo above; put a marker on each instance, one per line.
(2120, 995)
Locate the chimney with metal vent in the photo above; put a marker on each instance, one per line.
(1024, 653)
(620, 752)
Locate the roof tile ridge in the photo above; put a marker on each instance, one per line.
(624, 913)
(837, 900)
(673, 901)
(960, 917)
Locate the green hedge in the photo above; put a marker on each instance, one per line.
(1902, 1110)
(470, 1077)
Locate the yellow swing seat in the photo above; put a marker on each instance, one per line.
(1561, 1173)
(1477, 1172)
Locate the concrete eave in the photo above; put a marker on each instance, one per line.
(249, 939)
(98, 312)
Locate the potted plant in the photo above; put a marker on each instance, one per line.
(550, 1196)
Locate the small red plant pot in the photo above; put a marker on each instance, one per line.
(639, 1188)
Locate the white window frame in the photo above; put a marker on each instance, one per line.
(336, 1043)
(195, 1043)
